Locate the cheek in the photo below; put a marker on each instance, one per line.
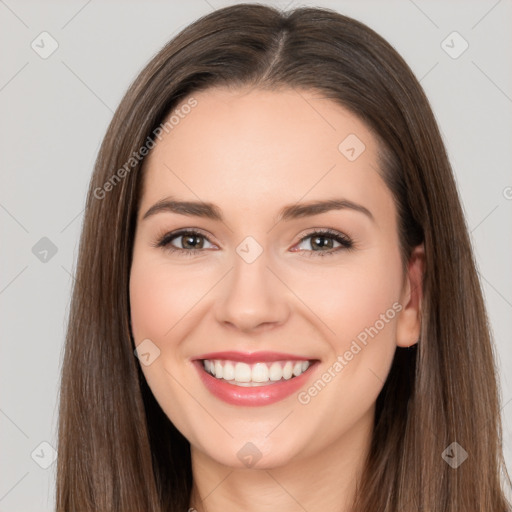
(148, 296)
(359, 304)
(160, 296)
(349, 299)
(367, 297)
(159, 299)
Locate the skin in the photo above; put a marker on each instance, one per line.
(251, 152)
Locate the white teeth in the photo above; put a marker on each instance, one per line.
(228, 372)
(242, 372)
(258, 374)
(276, 372)
(287, 370)
(218, 370)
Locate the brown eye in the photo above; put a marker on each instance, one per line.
(185, 241)
(323, 243)
(192, 241)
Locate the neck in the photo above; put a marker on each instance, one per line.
(324, 481)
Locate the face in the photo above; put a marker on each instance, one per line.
(284, 278)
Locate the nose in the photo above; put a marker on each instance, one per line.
(252, 298)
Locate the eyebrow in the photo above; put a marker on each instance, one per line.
(289, 212)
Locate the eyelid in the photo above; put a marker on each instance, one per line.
(320, 230)
(165, 238)
(344, 240)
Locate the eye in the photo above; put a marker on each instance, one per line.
(193, 242)
(190, 241)
(326, 239)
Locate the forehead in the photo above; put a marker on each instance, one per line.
(253, 148)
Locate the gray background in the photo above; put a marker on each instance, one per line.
(55, 112)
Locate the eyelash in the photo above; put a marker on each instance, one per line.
(345, 242)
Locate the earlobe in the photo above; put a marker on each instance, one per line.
(409, 321)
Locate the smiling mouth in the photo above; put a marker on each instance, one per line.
(243, 374)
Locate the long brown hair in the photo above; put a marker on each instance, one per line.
(117, 450)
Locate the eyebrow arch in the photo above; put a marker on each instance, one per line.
(289, 212)
(317, 207)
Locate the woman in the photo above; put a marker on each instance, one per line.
(215, 359)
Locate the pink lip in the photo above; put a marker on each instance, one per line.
(253, 357)
(252, 396)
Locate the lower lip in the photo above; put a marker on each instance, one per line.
(252, 396)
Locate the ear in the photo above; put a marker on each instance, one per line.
(409, 320)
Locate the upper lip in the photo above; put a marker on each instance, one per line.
(252, 357)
